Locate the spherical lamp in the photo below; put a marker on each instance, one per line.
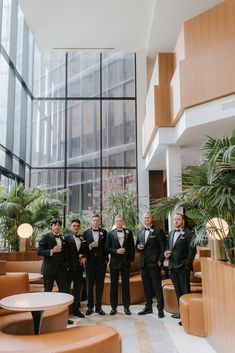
(25, 230)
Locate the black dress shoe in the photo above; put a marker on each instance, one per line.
(89, 312)
(175, 316)
(113, 312)
(180, 323)
(161, 314)
(127, 311)
(78, 313)
(70, 322)
(145, 311)
(100, 311)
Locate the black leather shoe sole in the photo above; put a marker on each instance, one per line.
(79, 314)
(100, 311)
(175, 316)
(89, 312)
(70, 322)
(113, 312)
(145, 312)
(127, 312)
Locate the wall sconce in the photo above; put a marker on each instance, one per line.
(217, 228)
(25, 230)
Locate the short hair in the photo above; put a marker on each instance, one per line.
(95, 216)
(76, 220)
(55, 220)
(148, 213)
(118, 216)
(180, 214)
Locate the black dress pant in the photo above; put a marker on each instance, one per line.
(125, 276)
(95, 276)
(76, 278)
(181, 280)
(151, 278)
(61, 278)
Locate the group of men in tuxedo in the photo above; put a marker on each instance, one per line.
(65, 257)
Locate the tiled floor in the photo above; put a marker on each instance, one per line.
(147, 334)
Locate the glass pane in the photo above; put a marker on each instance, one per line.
(118, 74)
(29, 131)
(49, 180)
(20, 32)
(84, 191)
(118, 180)
(17, 118)
(30, 61)
(4, 73)
(49, 74)
(6, 25)
(83, 133)
(83, 74)
(118, 133)
(48, 133)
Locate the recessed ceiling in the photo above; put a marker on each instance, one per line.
(124, 25)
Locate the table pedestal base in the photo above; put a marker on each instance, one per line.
(37, 320)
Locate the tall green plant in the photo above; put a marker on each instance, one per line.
(22, 205)
(208, 190)
(124, 204)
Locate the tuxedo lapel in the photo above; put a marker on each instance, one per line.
(115, 235)
(142, 236)
(171, 237)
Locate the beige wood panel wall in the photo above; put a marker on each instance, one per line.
(218, 280)
(158, 107)
(210, 29)
(201, 69)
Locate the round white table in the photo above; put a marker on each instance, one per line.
(36, 303)
(33, 276)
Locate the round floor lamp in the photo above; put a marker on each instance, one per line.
(217, 230)
(25, 230)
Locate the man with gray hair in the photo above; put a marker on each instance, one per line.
(120, 244)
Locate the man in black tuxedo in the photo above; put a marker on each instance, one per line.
(151, 245)
(53, 248)
(77, 252)
(180, 252)
(120, 244)
(95, 265)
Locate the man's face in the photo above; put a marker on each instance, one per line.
(75, 227)
(95, 222)
(56, 228)
(178, 221)
(148, 220)
(119, 222)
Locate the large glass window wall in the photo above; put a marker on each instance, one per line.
(68, 118)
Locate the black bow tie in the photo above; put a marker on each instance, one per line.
(119, 230)
(147, 228)
(77, 235)
(177, 229)
(95, 230)
(56, 236)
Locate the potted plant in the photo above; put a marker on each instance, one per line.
(208, 191)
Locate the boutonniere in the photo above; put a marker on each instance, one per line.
(100, 233)
(127, 231)
(62, 237)
(151, 230)
(81, 238)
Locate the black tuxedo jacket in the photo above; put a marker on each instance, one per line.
(183, 251)
(112, 245)
(95, 255)
(73, 253)
(51, 264)
(153, 248)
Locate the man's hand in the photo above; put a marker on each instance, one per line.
(140, 247)
(56, 249)
(121, 251)
(167, 254)
(94, 244)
